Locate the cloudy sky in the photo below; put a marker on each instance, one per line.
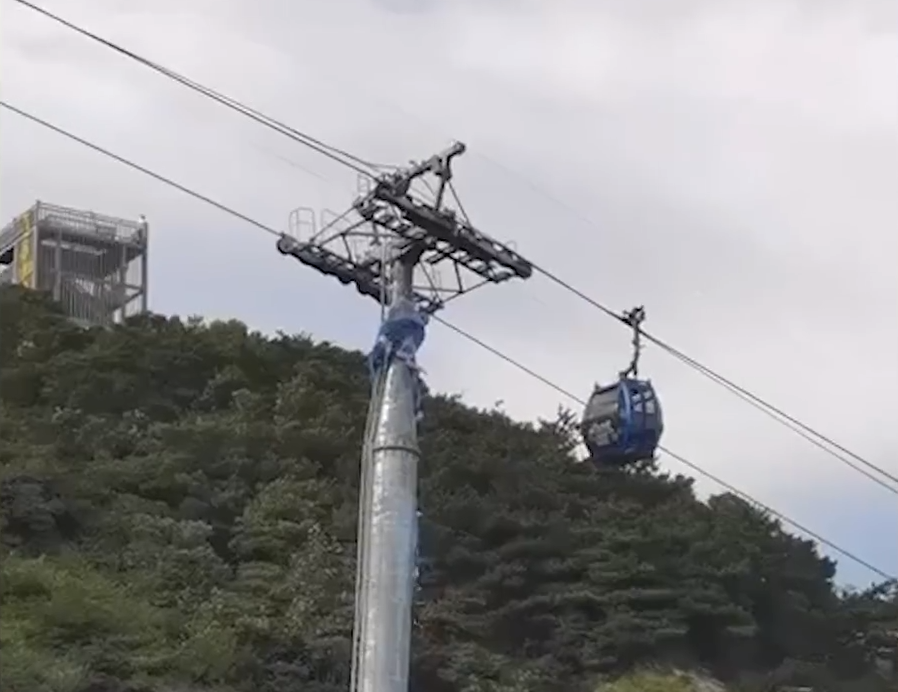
(732, 165)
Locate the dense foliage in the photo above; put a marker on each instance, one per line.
(178, 508)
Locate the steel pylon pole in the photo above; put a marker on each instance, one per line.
(424, 233)
(388, 510)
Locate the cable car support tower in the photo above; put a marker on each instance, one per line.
(391, 246)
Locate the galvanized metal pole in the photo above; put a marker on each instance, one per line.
(419, 231)
(384, 620)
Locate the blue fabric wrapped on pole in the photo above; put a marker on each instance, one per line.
(400, 336)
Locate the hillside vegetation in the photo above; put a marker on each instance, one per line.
(179, 507)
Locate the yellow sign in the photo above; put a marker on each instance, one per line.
(25, 252)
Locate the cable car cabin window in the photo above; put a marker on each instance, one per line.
(601, 421)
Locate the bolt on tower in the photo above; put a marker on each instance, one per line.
(391, 246)
(95, 266)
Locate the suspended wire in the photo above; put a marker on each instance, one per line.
(804, 431)
(795, 425)
(808, 433)
(773, 411)
(777, 414)
(673, 455)
(359, 165)
(801, 429)
(532, 373)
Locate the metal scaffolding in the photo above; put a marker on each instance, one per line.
(95, 266)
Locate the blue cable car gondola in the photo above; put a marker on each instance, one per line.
(622, 422)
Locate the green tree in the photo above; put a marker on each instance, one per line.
(178, 511)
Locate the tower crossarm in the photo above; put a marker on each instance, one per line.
(393, 214)
(364, 274)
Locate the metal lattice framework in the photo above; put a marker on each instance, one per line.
(93, 264)
(392, 218)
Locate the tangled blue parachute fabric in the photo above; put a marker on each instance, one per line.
(400, 336)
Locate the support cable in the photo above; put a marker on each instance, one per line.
(818, 439)
(470, 337)
(673, 455)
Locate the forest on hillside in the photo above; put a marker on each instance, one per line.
(179, 514)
